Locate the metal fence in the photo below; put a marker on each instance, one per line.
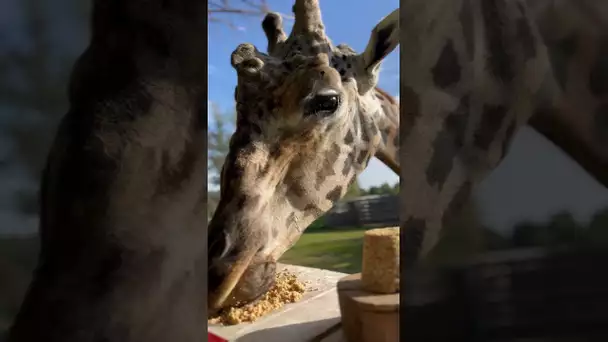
(365, 211)
(531, 295)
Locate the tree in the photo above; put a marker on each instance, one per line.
(396, 188)
(528, 234)
(493, 240)
(218, 138)
(372, 190)
(597, 231)
(218, 11)
(383, 189)
(560, 230)
(354, 191)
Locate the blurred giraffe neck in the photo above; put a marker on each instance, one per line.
(388, 123)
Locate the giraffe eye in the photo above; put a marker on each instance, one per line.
(324, 104)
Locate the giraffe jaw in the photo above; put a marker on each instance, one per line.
(252, 274)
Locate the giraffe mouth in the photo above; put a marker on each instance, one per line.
(248, 279)
(219, 298)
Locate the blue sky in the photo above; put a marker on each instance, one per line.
(347, 22)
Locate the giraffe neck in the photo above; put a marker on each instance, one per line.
(476, 71)
(388, 123)
(575, 115)
(111, 267)
(470, 80)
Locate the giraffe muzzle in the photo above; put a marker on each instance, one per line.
(247, 280)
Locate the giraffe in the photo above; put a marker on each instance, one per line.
(475, 71)
(309, 118)
(123, 193)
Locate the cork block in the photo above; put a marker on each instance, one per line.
(380, 266)
(367, 316)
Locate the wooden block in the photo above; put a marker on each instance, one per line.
(380, 326)
(380, 265)
(367, 316)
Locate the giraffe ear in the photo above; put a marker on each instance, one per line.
(384, 39)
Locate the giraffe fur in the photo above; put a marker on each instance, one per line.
(473, 72)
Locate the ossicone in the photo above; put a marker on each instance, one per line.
(245, 60)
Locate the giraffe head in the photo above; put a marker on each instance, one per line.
(305, 129)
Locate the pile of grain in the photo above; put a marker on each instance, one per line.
(287, 289)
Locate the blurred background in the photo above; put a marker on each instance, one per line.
(537, 197)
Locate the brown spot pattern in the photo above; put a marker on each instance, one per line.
(240, 202)
(456, 121)
(412, 235)
(447, 144)
(508, 138)
(313, 210)
(348, 162)
(328, 166)
(466, 20)
(491, 121)
(384, 135)
(362, 158)
(456, 205)
(495, 24)
(446, 71)
(274, 151)
(335, 194)
(291, 219)
(410, 109)
(373, 131)
(349, 139)
(297, 189)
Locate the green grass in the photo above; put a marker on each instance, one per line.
(336, 250)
